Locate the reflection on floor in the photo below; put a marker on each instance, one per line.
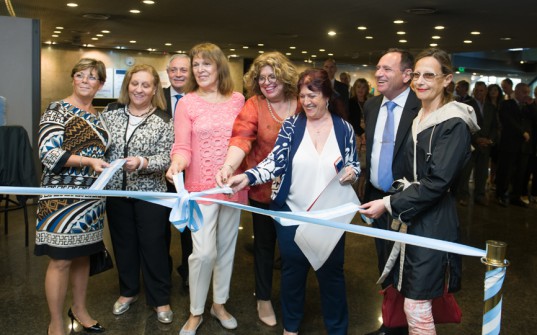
(23, 308)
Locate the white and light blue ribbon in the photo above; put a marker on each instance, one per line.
(493, 284)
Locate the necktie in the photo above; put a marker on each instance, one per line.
(177, 97)
(385, 177)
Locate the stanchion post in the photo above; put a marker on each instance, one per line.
(494, 259)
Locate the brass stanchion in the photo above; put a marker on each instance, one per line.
(494, 259)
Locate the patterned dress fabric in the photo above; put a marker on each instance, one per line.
(69, 226)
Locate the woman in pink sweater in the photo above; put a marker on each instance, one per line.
(203, 124)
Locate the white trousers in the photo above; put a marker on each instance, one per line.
(213, 251)
(419, 315)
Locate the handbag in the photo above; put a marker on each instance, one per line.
(100, 262)
(445, 308)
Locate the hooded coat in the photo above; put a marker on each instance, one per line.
(442, 143)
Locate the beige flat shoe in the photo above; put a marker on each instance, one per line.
(266, 313)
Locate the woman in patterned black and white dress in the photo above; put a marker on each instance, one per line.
(72, 143)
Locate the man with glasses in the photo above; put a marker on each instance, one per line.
(178, 70)
(388, 119)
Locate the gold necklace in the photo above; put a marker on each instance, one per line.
(274, 116)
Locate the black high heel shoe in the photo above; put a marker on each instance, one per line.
(96, 328)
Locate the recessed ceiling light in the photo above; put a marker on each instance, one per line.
(439, 27)
(401, 33)
(261, 51)
(521, 62)
(398, 21)
(231, 49)
(167, 44)
(132, 41)
(361, 28)
(55, 35)
(516, 49)
(313, 56)
(149, 2)
(402, 41)
(433, 44)
(260, 45)
(475, 33)
(505, 38)
(304, 52)
(57, 32)
(467, 41)
(72, 4)
(99, 35)
(288, 54)
(292, 48)
(364, 65)
(436, 37)
(322, 50)
(245, 47)
(369, 37)
(89, 45)
(105, 31)
(95, 38)
(59, 28)
(330, 54)
(135, 11)
(331, 33)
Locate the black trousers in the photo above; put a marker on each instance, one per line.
(264, 247)
(511, 170)
(138, 230)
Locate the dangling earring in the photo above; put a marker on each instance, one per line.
(327, 104)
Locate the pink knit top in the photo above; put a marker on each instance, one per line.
(202, 131)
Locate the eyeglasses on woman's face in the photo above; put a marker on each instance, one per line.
(79, 76)
(271, 79)
(427, 76)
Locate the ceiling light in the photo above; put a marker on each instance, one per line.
(304, 52)
(72, 4)
(292, 48)
(57, 32)
(89, 45)
(505, 38)
(433, 44)
(105, 31)
(99, 35)
(369, 37)
(467, 41)
(398, 21)
(362, 28)
(521, 62)
(149, 2)
(261, 51)
(95, 38)
(59, 28)
(55, 35)
(322, 50)
(133, 41)
(288, 54)
(402, 41)
(245, 47)
(330, 54)
(436, 37)
(331, 33)
(364, 65)
(401, 33)
(231, 49)
(167, 44)
(135, 11)
(260, 45)
(439, 27)
(516, 49)
(475, 33)
(313, 56)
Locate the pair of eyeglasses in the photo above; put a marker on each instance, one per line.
(80, 76)
(177, 70)
(428, 76)
(271, 79)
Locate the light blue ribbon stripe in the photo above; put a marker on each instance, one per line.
(194, 218)
(497, 286)
(491, 316)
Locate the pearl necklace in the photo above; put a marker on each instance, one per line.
(274, 116)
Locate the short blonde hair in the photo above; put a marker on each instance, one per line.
(213, 53)
(284, 71)
(158, 99)
(92, 64)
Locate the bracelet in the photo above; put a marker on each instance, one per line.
(141, 166)
(80, 162)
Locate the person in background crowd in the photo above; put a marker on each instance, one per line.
(345, 78)
(393, 82)
(72, 143)
(203, 128)
(514, 147)
(494, 97)
(306, 148)
(359, 94)
(178, 70)
(142, 134)
(271, 84)
(342, 90)
(435, 154)
(507, 87)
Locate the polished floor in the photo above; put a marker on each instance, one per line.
(23, 309)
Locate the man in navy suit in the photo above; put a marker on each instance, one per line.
(393, 82)
(178, 70)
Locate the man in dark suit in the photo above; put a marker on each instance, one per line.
(515, 146)
(178, 70)
(341, 89)
(393, 82)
